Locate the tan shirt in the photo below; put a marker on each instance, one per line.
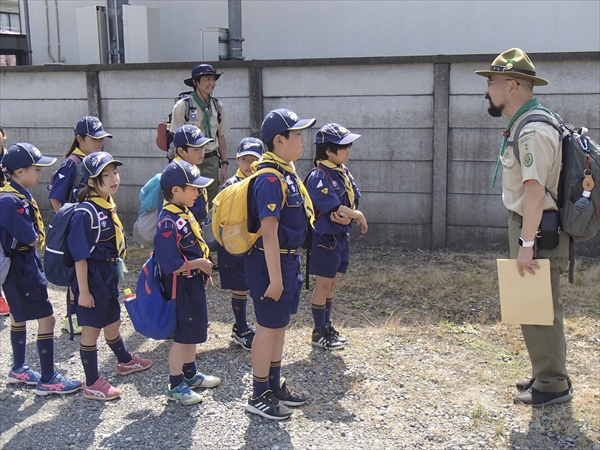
(540, 154)
(197, 119)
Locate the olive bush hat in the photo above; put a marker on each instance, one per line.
(516, 63)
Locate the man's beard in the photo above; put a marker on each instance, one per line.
(493, 110)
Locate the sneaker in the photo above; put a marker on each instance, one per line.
(23, 375)
(289, 397)
(65, 324)
(244, 338)
(322, 337)
(4, 308)
(527, 384)
(537, 399)
(202, 381)
(183, 394)
(269, 406)
(101, 390)
(57, 385)
(136, 364)
(336, 333)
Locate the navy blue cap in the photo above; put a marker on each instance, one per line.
(251, 146)
(191, 136)
(182, 173)
(200, 70)
(94, 164)
(92, 127)
(24, 154)
(281, 120)
(335, 134)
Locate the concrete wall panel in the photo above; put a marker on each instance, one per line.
(472, 177)
(42, 113)
(393, 177)
(477, 210)
(406, 237)
(31, 86)
(397, 208)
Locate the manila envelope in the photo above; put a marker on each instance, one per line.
(525, 300)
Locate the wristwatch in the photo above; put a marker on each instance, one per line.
(524, 243)
(224, 162)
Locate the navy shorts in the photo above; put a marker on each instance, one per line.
(104, 287)
(232, 271)
(26, 288)
(191, 308)
(329, 255)
(271, 313)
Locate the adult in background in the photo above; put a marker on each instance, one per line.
(208, 114)
(529, 184)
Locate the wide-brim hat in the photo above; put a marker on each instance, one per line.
(22, 155)
(200, 70)
(516, 64)
(182, 173)
(94, 164)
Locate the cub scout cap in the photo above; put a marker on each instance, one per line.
(94, 164)
(22, 155)
(335, 134)
(92, 127)
(200, 70)
(191, 136)
(182, 173)
(516, 64)
(281, 120)
(250, 146)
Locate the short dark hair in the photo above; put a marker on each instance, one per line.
(183, 147)
(269, 145)
(168, 193)
(321, 153)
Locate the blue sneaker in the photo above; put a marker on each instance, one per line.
(57, 385)
(183, 394)
(23, 375)
(202, 381)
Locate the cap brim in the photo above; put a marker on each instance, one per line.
(351, 137)
(100, 135)
(537, 81)
(200, 142)
(248, 152)
(303, 123)
(45, 161)
(201, 182)
(103, 166)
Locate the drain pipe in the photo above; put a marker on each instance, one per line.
(48, 31)
(235, 39)
(57, 29)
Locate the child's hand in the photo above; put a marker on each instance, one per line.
(340, 217)
(86, 300)
(205, 265)
(362, 222)
(274, 291)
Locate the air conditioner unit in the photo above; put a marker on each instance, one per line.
(92, 35)
(214, 44)
(141, 34)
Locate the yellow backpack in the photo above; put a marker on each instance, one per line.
(230, 214)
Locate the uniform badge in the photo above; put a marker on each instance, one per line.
(193, 114)
(334, 183)
(101, 215)
(185, 229)
(528, 160)
(272, 206)
(509, 66)
(320, 184)
(325, 191)
(103, 223)
(180, 223)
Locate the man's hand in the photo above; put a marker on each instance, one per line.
(224, 177)
(526, 262)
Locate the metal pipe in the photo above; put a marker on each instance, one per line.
(235, 39)
(57, 29)
(48, 31)
(27, 31)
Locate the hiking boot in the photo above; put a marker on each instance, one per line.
(244, 338)
(101, 390)
(202, 381)
(289, 397)
(336, 333)
(57, 385)
(4, 308)
(23, 375)
(65, 324)
(269, 406)
(136, 364)
(524, 385)
(322, 337)
(538, 399)
(183, 394)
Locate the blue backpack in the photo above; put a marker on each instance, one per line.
(57, 259)
(151, 198)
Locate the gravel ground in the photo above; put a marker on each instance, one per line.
(395, 386)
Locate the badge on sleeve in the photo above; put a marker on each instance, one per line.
(180, 223)
(272, 206)
(193, 114)
(528, 159)
(325, 191)
(320, 184)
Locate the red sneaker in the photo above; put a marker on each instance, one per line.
(101, 390)
(136, 364)
(4, 308)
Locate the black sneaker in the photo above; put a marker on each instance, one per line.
(289, 397)
(244, 338)
(323, 337)
(537, 399)
(336, 333)
(267, 405)
(524, 385)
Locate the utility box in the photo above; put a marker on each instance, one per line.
(214, 44)
(141, 34)
(92, 35)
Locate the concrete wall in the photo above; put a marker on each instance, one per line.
(424, 162)
(336, 29)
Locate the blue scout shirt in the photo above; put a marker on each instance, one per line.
(81, 236)
(63, 180)
(327, 191)
(266, 202)
(17, 220)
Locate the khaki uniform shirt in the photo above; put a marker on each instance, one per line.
(540, 153)
(197, 118)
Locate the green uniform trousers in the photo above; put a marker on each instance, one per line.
(210, 169)
(546, 345)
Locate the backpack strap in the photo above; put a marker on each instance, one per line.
(14, 242)
(78, 170)
(187, 263)
(93, 212)
(546, 116)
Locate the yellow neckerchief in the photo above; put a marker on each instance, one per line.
(78, 152)
(203, 192)
(194, 225)
(39, 223)
(346, 177)
(241, 175)
(112, 208)
(272, 158)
